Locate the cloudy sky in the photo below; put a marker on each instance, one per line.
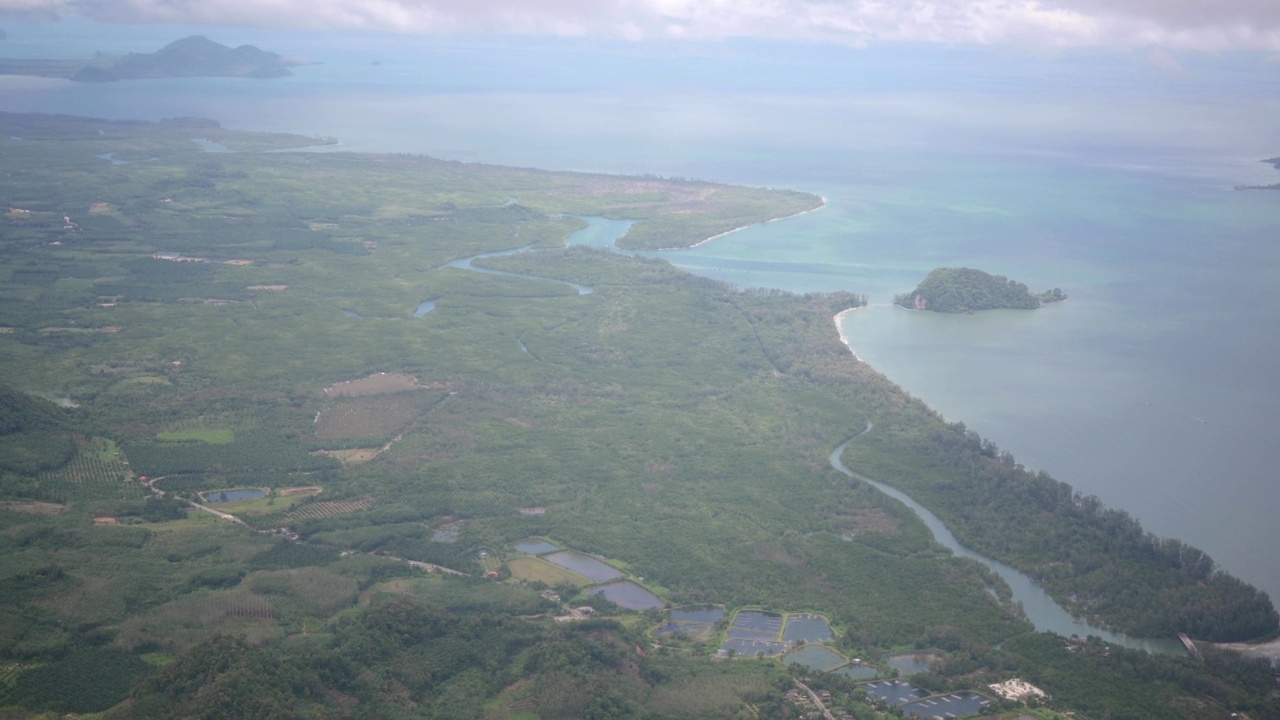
(1200, 25)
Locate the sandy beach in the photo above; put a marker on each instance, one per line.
(744, 227)
(837, 318)
(1269, 650)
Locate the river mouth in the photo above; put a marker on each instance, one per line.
(1041, 609)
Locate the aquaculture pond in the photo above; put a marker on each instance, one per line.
(754, 625)
(629, 595)
(232, 495)
(806, 628)
(894, 692)
(694, 620)
(585, 565)
(857, 671)
(708, 614)
(534, 546)
(957, 704)
(913, 663)
(742, 646)
(817, 657)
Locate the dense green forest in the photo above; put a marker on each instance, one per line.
(957, 290)
(253, 322)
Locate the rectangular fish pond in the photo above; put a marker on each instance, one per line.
(755, 625)
(894, 692)
(957, 704)
(751, 648)
(807, 628)
(584, 565)
(628, 594)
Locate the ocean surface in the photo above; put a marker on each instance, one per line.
(1156, 386)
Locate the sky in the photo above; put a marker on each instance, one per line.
(1158, 27)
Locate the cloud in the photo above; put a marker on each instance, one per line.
(1180, 24)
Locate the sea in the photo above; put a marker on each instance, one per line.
(1155, 386)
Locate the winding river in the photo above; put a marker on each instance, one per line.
(1043, 612)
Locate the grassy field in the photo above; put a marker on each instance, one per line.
(532, 569)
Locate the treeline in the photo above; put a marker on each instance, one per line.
(397, 658)
(1098, 562)
(35, 434)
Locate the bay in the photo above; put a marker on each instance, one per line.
(1154, 387)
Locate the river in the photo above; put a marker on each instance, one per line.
(1154, 387)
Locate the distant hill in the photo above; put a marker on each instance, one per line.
(956, 290)
(195, 56)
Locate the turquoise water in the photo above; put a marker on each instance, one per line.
(1154, 387)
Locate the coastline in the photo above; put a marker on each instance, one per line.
(700, 243)
(837, 319)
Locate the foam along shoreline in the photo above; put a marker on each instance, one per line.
(744, 227)
(838, 319)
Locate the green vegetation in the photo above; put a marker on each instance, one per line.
(672, 424)
(957, 290)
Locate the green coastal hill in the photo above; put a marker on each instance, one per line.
(195, 56)
(958, 290)
(362, 436)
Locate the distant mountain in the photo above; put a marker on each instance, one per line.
(195, 56)
(198, 56)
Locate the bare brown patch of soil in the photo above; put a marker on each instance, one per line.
(290, 492)
(376, 384)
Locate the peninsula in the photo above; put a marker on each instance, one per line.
(195, 56)
(343, 435)
(957, 290)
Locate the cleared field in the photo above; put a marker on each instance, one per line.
(368, 417)
(307, 490)
(531, 569)
(213, 436)
(376, 384)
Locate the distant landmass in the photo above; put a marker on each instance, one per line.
(195, 56)
(1273, 162)
(957, 290)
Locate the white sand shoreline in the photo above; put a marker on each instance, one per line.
(837, 318)
(744, 227)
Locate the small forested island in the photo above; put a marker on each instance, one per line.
(961, 290)
(348, 436)
(195, 56)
